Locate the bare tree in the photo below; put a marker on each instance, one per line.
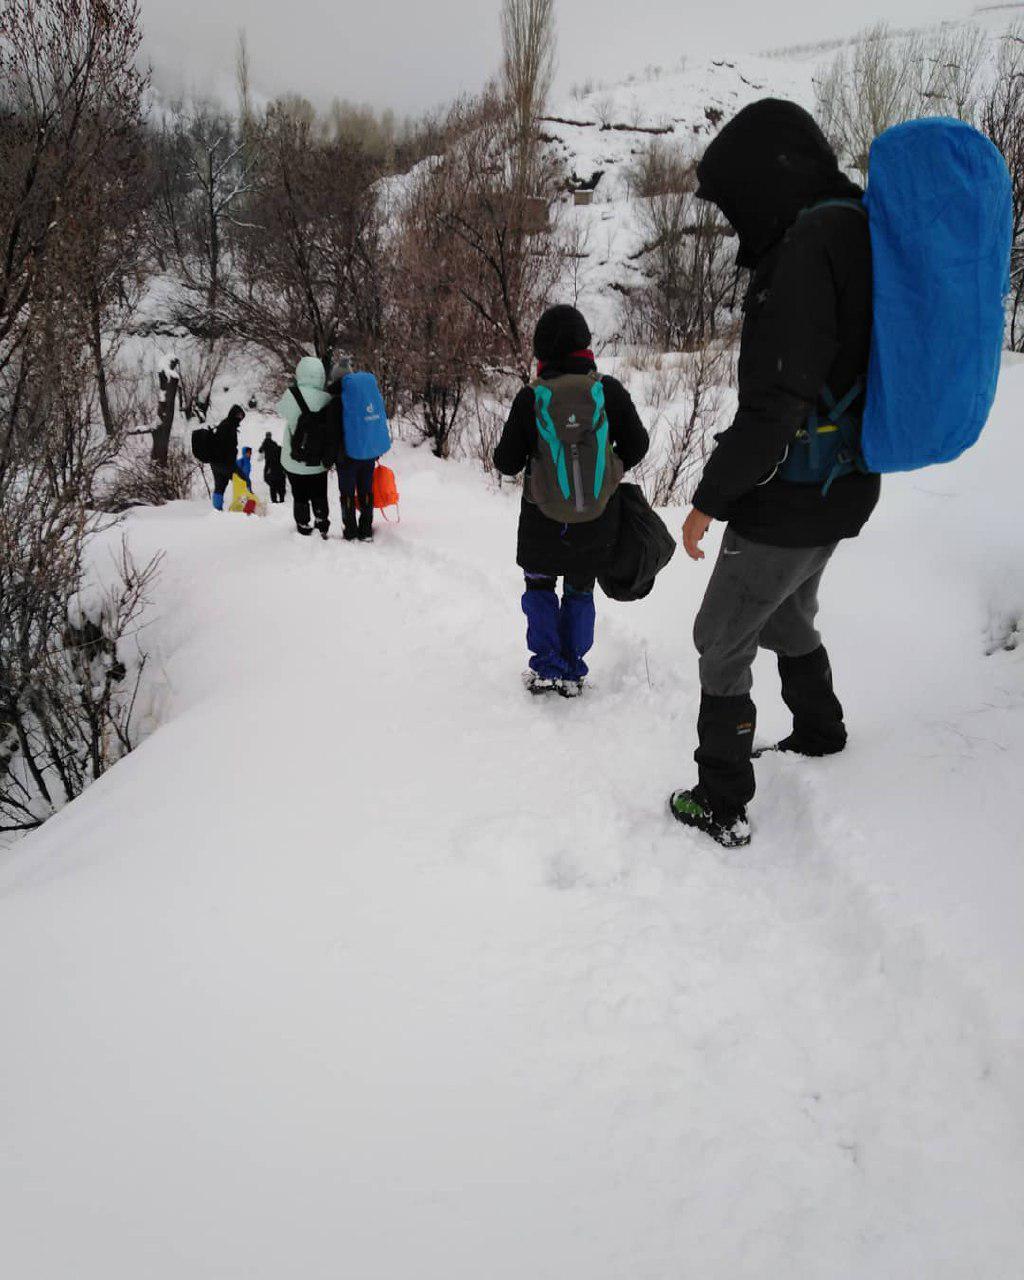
(308, 255)
(528, 65)
(508, 267)
(69, 93)
(1002, 118)
(886, 79)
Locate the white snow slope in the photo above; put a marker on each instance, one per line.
(366, 965)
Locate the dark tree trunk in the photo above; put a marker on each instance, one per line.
(165, 416)
(96, 343)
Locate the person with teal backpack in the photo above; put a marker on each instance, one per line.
(872, 338)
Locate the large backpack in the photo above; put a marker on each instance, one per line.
(365, 419)
(939, 208)
(316, 436)
(575, 470)
(204, 445)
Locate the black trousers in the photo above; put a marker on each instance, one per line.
(355, 480)
(221, 477)
(310, 491)
(276, 483)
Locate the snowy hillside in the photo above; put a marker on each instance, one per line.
(367, 965)
(598, 134)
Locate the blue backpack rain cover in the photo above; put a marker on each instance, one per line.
(366, 421)
(939, 205)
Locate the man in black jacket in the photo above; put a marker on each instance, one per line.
(807, 327)
(560, 634)
(224, 463)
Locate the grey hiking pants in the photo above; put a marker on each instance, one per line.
(758, 597)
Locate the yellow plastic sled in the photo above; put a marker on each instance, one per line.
(243, 499)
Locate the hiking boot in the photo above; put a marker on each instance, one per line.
(366, 536)
(305, 529)
(794, 745)
(538, 684)
(570, 688)
(693, 809)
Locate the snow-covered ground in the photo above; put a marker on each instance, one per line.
(367, 965)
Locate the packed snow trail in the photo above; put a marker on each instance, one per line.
(366, 964)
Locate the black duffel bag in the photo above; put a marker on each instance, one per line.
(644, 548)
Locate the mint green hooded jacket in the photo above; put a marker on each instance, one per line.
(309, 374)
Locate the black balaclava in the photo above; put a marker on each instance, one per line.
(769, 162)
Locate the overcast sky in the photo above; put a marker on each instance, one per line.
(416, 54)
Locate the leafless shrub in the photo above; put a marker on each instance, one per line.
(604, 109)
(660, 170)
(687, 261)
(688, 400)
(69, 672)
(137, 483)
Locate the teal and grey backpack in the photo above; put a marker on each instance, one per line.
(575, 470)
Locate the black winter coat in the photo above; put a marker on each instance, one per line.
(226, 446)
(544, 545)
(807, 324)
(271, 452)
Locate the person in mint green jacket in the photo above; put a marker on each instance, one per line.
(308, 483)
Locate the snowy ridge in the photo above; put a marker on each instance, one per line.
(601, 132)
(365, 964)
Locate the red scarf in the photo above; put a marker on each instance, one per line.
(573, 355)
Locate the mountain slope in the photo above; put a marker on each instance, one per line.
(365, 964)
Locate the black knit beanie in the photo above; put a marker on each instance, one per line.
(560, 331)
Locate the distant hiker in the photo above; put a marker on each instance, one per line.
(224, 458)
(364, 438)
(301, 402)
(576, 433)
(244, 466)
(273, 472)
(807, 322)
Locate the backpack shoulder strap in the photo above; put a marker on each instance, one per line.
(298, 397)
(857, 206)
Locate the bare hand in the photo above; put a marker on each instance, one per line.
(694, 529)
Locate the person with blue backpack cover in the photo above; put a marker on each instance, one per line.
(364, 438)
(871, 342)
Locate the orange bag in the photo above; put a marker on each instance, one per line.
(385, 489)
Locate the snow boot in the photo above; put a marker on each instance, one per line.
(538, 685)
(693, 809)
(365, 526)
(305, 529)
(218, 501)
(323, 528)
(571, 688)
(818, 728)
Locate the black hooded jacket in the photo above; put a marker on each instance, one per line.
(807, 322)
(545, 546)
(226, 435)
